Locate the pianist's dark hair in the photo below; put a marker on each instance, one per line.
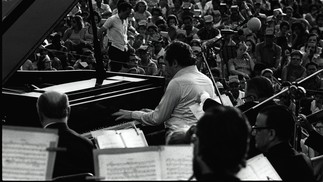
(224, 134)
(180, 51)
(53, 105)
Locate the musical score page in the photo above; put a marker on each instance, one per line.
(258, 168)
(25, 155)
(177, 162)
(128, 164)
(133, 138)
(110, 139)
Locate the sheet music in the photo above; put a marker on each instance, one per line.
(109, 139)
(130, 166)
(24, 154)
(127, 138)
(258, 168)
(226, 100)
(133, 138)
(177, 162)
(197, 110)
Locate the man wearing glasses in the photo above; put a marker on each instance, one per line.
(273, 131)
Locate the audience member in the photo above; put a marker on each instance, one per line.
(242, 64)
(294, 71)
(116, 27)
(147, 63)
(54, 110)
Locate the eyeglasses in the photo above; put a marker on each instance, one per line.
(255, 129)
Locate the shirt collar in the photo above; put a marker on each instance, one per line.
(188, 69)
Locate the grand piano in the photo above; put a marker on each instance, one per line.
(25, 25)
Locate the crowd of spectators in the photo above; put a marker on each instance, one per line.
(286, 48)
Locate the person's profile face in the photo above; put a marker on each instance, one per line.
(261, 133)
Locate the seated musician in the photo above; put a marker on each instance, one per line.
(186, 85)
(221, 143)
(76, 156)
(273, 131)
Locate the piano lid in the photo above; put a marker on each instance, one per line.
(25, 24)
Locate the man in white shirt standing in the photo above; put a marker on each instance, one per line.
(116, 27)
(186, 86)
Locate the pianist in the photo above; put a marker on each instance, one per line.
(186, 85)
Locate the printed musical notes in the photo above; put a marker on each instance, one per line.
(144, 163)
(25, 155)
(126, 138)
(258, 168)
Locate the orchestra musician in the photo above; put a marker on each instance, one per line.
(221, 143)
(74, 152)
(186, 85)
(273, 131)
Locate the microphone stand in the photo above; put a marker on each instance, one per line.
(100, 71)
(210, 72)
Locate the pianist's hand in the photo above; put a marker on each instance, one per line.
(123, 114)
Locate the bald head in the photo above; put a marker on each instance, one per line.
(52, 104)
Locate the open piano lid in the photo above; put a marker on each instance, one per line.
(25, 24)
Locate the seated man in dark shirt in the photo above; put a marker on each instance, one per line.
(77, 157)
(273, 131)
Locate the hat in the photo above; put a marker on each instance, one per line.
(234, 79)
(187, 5)
(143, 47)
(279, 10)
(208, 18)
(289, 7)
(219, 84)
(197, 13)
(296, 52)
(156, 39)
(143, 23)
(152, 25)
(265, 71)
(270, 31)
(216, 12)
(196, 48)
(258, 2)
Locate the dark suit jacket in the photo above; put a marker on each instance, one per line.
(289, 164)
(315, 141)
(78, 157)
